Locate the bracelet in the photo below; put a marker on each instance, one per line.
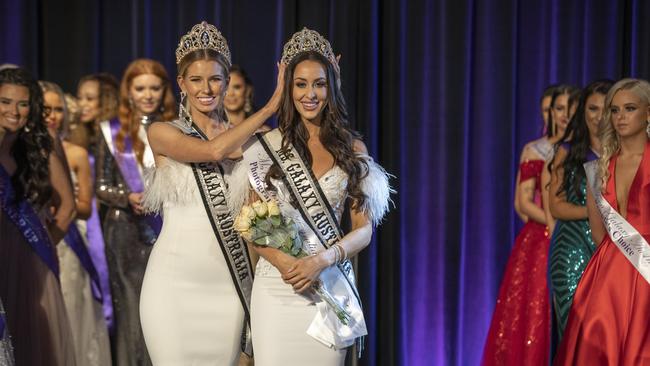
(337, 254)
(341, 255)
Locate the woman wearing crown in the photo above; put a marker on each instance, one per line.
(312, 164)
(195, 297)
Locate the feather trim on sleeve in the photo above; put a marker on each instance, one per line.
(171, 182)
(238, 187)
(376, 187)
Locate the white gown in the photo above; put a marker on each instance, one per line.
(280, 317)
(189, 308)
(89, 330)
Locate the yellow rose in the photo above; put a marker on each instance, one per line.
(242, 223)
(260, 208)
(274, 210)
(247, 235)
(247, 211)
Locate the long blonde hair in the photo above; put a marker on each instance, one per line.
(608, 137)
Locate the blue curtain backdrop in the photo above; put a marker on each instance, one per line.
(446, 93)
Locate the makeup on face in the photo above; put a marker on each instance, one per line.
(14, 106)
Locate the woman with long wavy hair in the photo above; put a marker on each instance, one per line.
(571, 243)
(37, 205)
(315, 148)
(608, 320)
(129, 233)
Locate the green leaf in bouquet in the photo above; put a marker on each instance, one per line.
(265, 224)
(278, 237)
(256, 233)
(276, 221)
(296, 244)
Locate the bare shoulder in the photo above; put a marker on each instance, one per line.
(161, 130)
(359, 147)
(75, 152)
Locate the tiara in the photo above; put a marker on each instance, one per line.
(307, 40)
(203, 36)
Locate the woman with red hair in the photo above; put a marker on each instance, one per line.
(124, 156)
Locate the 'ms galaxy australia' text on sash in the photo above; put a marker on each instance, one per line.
(213, 188)
(319, 229)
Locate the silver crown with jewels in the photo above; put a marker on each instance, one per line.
(203, 36)
(307, 40)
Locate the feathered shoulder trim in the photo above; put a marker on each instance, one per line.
(376, 187)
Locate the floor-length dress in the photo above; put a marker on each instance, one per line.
(609, 321)
(32, 299)
(127, 252)
(521, 324)
(571, 249)
(280, 317)
(191, 313)
(85, 313)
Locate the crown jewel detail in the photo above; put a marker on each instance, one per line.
(307, 40)
(203, 36)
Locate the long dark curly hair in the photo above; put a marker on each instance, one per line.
(335, 133)
(578, 134)
(33, 144)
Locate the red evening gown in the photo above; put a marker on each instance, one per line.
(609, 321)
(520, 332)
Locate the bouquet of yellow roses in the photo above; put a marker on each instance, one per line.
(262, 224)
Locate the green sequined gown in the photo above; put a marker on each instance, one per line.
(571, 249)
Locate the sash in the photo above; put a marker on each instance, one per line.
(128, 166)
(212, 185)
(543, 148)
(76, 243)
(22, 214)
(628, 240)
(320, 230)
(97, 252)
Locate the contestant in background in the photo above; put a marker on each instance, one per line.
(520, 332)
(98, 100)
(124, 155)
(563, 106)
(609, 321)
(571, 243)
(36, 207)
(545, 106)
(79, 279)
(238, 102)
(194, 303)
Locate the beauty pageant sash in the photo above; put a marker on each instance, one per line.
(212, 185)
(96, 249)
(320, 230)
(75, 241)
(22, 214)
(628, 240)
(128, 165)
(543, 148)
